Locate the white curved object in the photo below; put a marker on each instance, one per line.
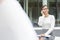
(14, 23)
(57, 38)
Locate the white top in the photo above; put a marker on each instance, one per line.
(47, 23)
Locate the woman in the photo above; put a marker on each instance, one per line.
(14, 22)
(47, 22)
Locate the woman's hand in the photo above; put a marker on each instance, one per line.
(42, 13)
(42, 34)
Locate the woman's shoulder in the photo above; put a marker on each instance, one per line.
(40, 17)
(51, 15)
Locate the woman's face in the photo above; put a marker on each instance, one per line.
(45, 10)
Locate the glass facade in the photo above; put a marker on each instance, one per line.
(33, 9)
(54, 8)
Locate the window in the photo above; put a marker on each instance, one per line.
(54, 9)
(34, 9)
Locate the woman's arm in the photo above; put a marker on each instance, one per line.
(52, 26)
(40, 21)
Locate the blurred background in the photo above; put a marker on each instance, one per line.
(33, 10)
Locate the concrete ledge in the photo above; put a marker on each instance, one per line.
(39, 28)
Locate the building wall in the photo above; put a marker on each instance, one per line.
(33, 9)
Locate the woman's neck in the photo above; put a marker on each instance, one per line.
(46, 15)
